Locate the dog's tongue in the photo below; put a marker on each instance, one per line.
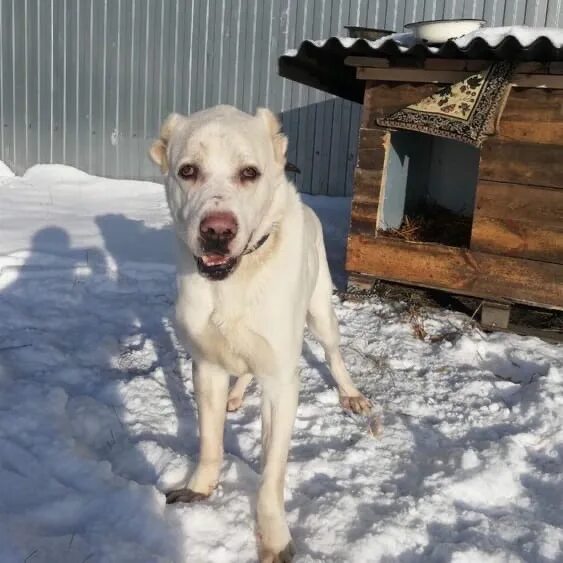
(214, 259)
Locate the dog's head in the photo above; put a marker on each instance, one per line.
(222, 168)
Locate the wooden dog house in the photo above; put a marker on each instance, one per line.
(505, 243)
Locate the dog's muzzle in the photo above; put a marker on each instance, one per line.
(216, 232)
(216, 268)
(223, 267)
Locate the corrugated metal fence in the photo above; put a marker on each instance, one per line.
(87, 82)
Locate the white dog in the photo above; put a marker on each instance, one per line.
(252, 272)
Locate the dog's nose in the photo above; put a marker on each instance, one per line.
(218, 227)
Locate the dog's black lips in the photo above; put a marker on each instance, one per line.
(217, 272)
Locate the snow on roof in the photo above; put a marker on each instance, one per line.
(492, 36)
(525, 35)
(321, 63)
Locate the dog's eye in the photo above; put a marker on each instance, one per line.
(249, 173)
(187, 172)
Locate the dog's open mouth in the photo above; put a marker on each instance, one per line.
(216, 266)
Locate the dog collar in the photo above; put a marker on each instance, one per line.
(257, 245)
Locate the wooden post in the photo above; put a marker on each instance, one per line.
(360, 282)
(495, 315)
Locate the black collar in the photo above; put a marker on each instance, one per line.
(257, 245)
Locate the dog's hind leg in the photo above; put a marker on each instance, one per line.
(236, 394)
(322, 322)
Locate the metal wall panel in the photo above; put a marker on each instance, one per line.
(87, 82)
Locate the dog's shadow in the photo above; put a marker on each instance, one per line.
(319, 365)
(131, 243)
(68, 311)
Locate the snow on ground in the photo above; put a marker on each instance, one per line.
(97, 411)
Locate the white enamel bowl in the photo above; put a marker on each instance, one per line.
(440, 31)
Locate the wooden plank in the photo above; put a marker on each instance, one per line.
(392, 95)
(538, 81)
(365, 212)
(522, 163)
(371, 158)
(383, 98)
(372, 138)
(518, 220)
(537, 104)
(475, 65)
(375, 62)
(517, 202)
(363, 228)
(411, 75)
(518, 239)
(556, 67)
(368, 179)
(367, 185)
(457, 270)
(447, 64)
(532, 67)
(522, 80)
(533, 115)
(544, 132)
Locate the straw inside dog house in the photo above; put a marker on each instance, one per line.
(439, 213)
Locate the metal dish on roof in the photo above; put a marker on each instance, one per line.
(369, 33)
(439, 31)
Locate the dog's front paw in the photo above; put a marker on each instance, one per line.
(184, 495)
(234, 404)
(357, 404)
(284, 556)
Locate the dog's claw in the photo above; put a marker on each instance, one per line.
(357, 404)
(184, 495)
(286, 555)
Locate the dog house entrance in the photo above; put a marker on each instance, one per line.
(429, 189)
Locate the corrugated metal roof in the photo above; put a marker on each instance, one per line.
(320, 64)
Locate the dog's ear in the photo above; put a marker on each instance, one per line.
(273, 126)
(158, 150)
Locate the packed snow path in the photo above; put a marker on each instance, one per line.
(97, 412)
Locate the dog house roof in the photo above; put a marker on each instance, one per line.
(320, 63)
